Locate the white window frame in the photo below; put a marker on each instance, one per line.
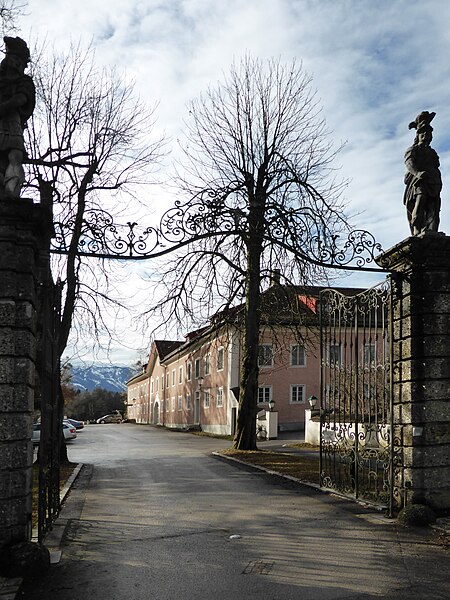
(263, 355)
(294, 354)
(157, 384)
(180, 402)
(207, 360)
(188, 402)
(369, 354)
(334, 354)
(266, 394)
(293, 394)
(207, 399)
(173, 403)
(219, 397)
(188, 371)
(197, 368)
(180, 374)
(162, 382)
(174, 375)
(220, 363)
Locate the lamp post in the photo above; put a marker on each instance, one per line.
(271, 404)
(312, 402)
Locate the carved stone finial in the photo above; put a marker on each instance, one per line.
(423, 178)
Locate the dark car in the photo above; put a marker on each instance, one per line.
(75, 423)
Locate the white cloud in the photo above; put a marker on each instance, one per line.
(375, 65)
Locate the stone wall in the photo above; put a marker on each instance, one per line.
(421, 369)
(24, 233)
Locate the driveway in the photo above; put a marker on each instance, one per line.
(156, 516)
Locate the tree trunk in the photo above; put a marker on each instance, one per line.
(245, 437)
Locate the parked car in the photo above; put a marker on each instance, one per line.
(113, 418)
(69, 432)
(75, 423)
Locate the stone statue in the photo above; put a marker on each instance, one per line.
(423, 178)
(17, 100)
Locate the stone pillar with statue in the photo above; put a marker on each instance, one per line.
(420, 267)
(25, 232)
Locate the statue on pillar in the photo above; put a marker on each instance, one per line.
(17, 100)
(423, 178)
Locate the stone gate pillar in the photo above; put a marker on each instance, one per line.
(24, 236)
(421, 369)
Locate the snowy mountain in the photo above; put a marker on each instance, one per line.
(108, 377)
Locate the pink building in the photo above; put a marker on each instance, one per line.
(195, 382)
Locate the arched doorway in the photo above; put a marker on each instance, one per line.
(156, 413)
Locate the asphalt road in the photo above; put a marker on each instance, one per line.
(157, 517)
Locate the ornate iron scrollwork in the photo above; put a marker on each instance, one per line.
(356, 252)
(203, 216)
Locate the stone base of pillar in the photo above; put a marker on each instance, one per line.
(23, 229)
(421, 368)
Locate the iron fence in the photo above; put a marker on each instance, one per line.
(356, 397)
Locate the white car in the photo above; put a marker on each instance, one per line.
(69, 431)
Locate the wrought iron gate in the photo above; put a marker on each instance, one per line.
(51, 404)
(356, 399)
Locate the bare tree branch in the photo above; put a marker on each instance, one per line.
(92, 144)
(258, 168)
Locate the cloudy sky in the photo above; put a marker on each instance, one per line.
(375, 65)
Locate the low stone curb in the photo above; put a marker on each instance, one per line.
(270, 472)
(442, 524)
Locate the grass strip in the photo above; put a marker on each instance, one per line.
(305, 468)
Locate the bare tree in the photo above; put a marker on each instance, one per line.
(258, 170)
(10, 12)
(92, 147)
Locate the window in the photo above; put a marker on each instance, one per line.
(173, 403)
(173, 377)
(298, 356)
(219, 397)
(297, 393)
(369, 355)
(368, 391)
(180, 402)
(220, 359)
(334, 352)
(157, 384)
(207, 398)
(167, 380)
(189, 371)
(265, 355)
(207, 363)
(162, 382)
(180, 375)
(151, 386)
(188, 402)
(197, 368)
(264, 394)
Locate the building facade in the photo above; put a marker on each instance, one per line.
(195, 382)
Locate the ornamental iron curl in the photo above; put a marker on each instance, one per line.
(207, 215)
